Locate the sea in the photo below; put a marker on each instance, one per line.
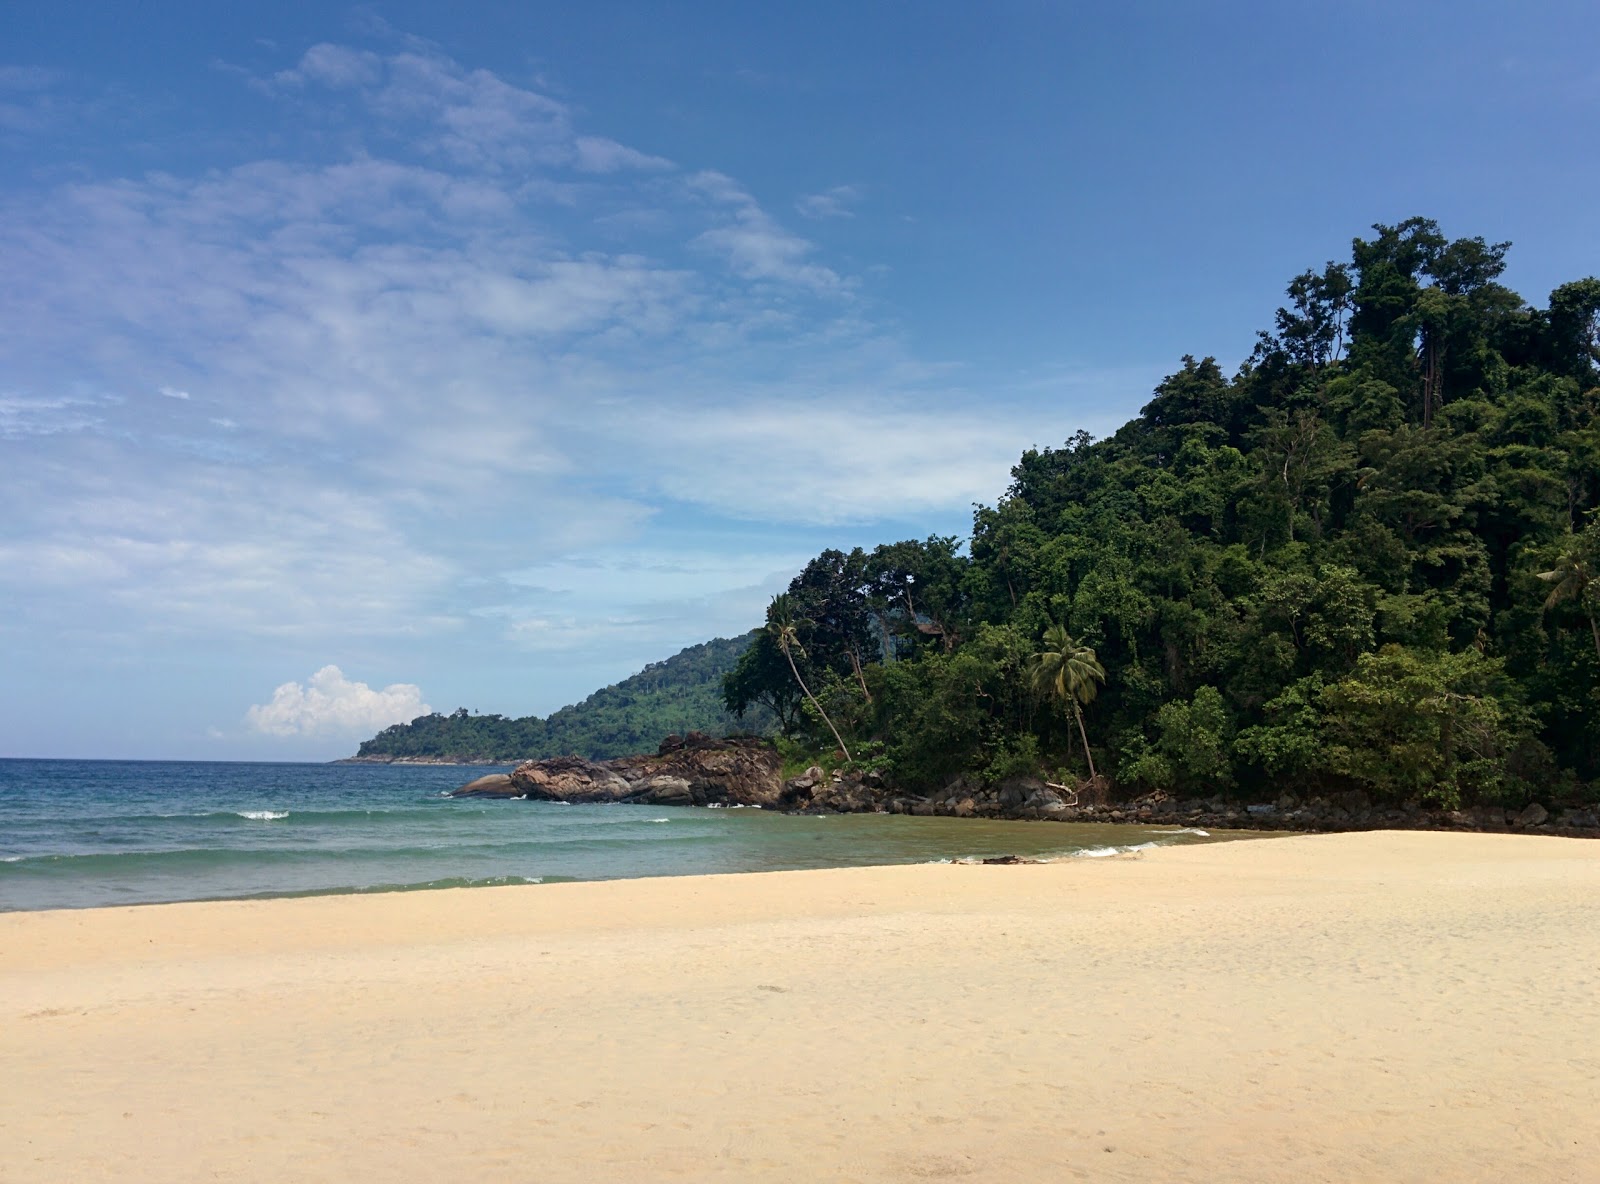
(83, 834)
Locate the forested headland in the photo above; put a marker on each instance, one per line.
(680, 694)
(1369, 559)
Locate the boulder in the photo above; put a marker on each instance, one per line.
(1015, 791)
(663, 790)
(495, 785)
(1533, 815)
(569, 779)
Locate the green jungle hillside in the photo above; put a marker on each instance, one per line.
(1370, 559)
(680, 694)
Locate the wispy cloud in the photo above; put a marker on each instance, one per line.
(443, 385)
(754, 244)
(830, 203)
(32, 100)
(21, 417)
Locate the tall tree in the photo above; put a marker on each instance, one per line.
(1071, 673)
(783, 627)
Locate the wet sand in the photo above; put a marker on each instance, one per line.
(1381, 1006)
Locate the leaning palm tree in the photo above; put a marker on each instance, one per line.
(1574, 577)
(1071, 673)
(783, 628)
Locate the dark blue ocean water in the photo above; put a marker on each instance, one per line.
(84, 833)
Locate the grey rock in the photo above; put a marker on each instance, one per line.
(1533, 815)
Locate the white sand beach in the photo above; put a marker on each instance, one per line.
(1364, 1007)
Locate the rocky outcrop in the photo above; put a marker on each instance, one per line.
(695, 770)
(692, 770)
(1028, 798)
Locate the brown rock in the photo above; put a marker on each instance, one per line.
(495, 785)
(741, 772)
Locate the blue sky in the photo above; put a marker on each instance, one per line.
(356, 360)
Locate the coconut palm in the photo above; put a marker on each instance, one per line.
(1575, 578)
(1071, 673)
(783, 627)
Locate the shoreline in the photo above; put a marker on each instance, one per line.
(1383, 1005)
(1018, 846)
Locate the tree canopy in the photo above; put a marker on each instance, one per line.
(1369, 558)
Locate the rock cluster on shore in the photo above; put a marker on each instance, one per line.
(699, 771)
(1027, 798)
(695, 770)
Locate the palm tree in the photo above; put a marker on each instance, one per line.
(1574, 577)
(1071, 673)
(783, 627)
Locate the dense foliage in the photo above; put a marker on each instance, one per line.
(1370, 559)
(681, 694)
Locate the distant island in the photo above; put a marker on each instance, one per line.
(1366, 563)
(680, 694)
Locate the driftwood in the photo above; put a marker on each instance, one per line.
(1069, 795)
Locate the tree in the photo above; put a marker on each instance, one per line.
(1191, 753)
(761, 680)
(1071, 673)
(831, 597)
(1573, 336)
(1576, 576)
(782, 627)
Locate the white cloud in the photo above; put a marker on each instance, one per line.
(426, 365)
(830, 203)
(755, 246)
(329, 703)
(334, 66)
(156, 546)
(830, 460)
(20, 417)
(596, 154)
(173, 392)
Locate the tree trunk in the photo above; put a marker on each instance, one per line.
(1594, 627)
(817, 705)
(1077, 713)
(855, 661)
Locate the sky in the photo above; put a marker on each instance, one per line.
(357, 362)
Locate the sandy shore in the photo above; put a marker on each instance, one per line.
(1373, 1007)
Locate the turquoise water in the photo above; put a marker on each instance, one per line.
(75, 834)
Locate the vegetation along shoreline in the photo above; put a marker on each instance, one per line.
(704, 771)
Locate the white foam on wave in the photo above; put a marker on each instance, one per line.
(1186, 830)
(262, 815)
(1107, 852)
(11, 858)
(658, 820)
